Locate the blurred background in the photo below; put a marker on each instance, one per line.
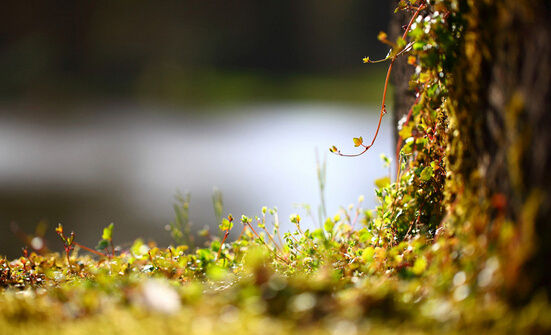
(109, 108)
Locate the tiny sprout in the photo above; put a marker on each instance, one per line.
(106, 239)
(264, 209)
(366, 60)
(295, 218)
(358, 141)
(226, 224)
(108, 232)
(401, 5)
(245, 219)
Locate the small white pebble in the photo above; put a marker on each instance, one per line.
(158, 296)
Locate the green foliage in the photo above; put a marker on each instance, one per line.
(106, 238)
(329, 280)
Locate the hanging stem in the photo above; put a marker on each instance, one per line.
(359, 142)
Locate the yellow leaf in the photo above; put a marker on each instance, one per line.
(405, 132)
(382, 182)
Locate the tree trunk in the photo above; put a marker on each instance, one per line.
(500, 136)
(401, 71)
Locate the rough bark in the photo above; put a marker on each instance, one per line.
(500, 134)
(401, 71)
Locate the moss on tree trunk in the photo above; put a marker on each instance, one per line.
(500, 136)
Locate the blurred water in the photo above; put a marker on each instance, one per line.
(125, 164)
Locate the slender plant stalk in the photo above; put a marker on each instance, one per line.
(268, 233)
(266, 244)
(92, 250)
(383, 104)
(222, 243)
(321, 172)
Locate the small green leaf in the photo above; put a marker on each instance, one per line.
(402, 5)
(318, 234)
(424, 77)
(215, 246)
(401, 43)
(364, 235)
(421, 143)
(70, 239)
(226, 224)
(205, 254)
(328, 225)
(108, 233)
(418, 46)
(102, 244)
(358, 141)
(426, 174)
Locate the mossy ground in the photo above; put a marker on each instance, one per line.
(326, 281)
